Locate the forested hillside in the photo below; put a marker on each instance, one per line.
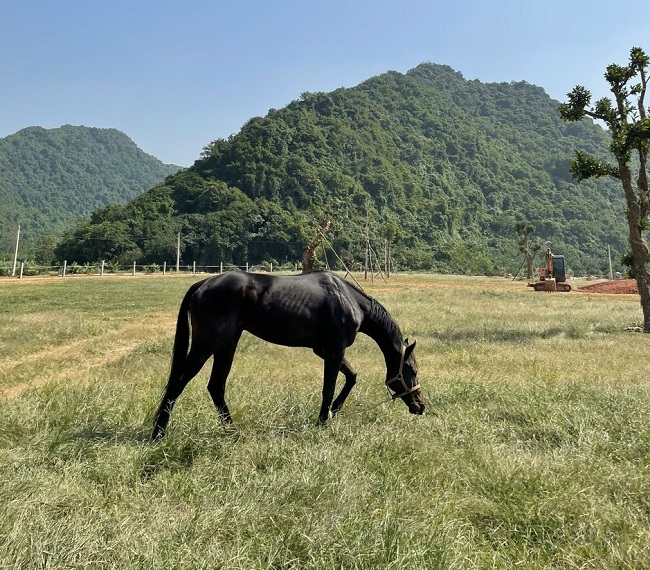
(441, 167)
(51, 177)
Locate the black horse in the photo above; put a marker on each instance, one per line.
(318, 310)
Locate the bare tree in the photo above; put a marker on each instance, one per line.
(523, 230)
(310, 250)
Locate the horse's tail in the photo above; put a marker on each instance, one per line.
(179, 355)
(182, 336)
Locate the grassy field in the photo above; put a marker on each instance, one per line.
(534, 451)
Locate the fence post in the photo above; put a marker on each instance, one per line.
(101, 271)
(194, 268)
(22, 268)
(247, 267)
(164, 268)
(65, 266)
(271, 268)
(221, 267)
(134, 268)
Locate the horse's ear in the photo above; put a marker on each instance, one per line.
(409, 349)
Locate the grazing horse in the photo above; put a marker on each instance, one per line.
(318, 310)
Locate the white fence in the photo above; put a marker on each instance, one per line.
(104, 268)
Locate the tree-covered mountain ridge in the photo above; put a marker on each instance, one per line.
(51, 177)
(439, 166)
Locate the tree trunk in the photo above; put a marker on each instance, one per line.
(639, 268)
(529, 264)
(308, 254)
(643, 284)
(638, 245)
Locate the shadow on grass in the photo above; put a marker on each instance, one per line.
(176, 452)
(509, 336)
(112, 434)
(158, 458)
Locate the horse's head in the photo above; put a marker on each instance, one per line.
(405, 384)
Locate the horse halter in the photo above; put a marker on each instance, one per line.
(400, 378)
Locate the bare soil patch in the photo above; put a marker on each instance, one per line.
(617, 286)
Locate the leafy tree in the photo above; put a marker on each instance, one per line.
(44, 250)
(629, 126)
(90, 243)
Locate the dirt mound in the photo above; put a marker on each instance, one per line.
(625, 286)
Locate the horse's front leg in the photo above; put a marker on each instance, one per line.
(331, 369)
(350, 381)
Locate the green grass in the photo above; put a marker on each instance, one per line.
(534, 451)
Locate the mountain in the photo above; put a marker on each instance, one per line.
(51, 177)
(439, 167)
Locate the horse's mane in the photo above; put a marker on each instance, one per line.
(378, 314)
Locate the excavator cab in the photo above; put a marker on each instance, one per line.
(559, 271)
(553, 276)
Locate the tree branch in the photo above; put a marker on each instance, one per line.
(585, 166)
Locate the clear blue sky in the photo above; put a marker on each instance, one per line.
(176, 74)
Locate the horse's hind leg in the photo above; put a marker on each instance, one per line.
(350, 381)
(223, 358)
(193, 363)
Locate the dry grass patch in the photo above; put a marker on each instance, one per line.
(73, 361)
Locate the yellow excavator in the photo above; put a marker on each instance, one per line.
(552, 277)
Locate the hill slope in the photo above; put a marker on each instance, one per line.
(442, 166)
(51, 177)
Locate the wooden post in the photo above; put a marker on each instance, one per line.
(22, 268)
(65, 266)
(194, 268)
(13, 271)
(164, 268)
(221, 267)
(134, 268)
(367, 252)
(178, 253)
(247, 267)
(609, 256)
(101, 271)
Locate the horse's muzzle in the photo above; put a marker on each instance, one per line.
(415, 403)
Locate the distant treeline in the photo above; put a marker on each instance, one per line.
(49, 178)
(440, 168)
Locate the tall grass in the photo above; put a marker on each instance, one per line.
(534, 451)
